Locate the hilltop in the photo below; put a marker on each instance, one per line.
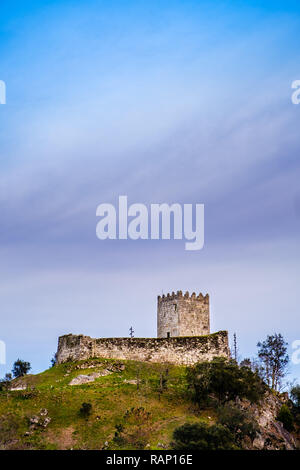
(127, 405)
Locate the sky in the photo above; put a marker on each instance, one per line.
(165, 102)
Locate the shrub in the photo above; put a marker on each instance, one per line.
(295, 395)
(20, 368)
(136, 430)
(5, 382)
(54, 360)
(85, 410)
(10, 427)
(118, 438)
(223, 381)
(137, 415)
(239, 423)
(286, 417)
(27, 394)
(200, 436)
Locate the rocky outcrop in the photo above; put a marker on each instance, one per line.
(83, 379)
(39, 421)
(272, 435)
(114, 367)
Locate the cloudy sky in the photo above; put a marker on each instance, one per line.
(167, 101)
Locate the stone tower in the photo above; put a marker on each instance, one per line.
(182, 315)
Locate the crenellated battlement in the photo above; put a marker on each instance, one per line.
(179, 296)
(182, 314)
(183, 330)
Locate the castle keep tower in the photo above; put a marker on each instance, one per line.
(182, 318)
(182, 315)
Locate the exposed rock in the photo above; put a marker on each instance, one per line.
(105, 445)
(45, 423)
(133, 381)
(161, 445)
(17, 387)
(114, 367)
(39, 421)
(88, 365)
(34, 420)
(272, 435)
(83, 379)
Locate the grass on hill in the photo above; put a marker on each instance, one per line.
(129, 409)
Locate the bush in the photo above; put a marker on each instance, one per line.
(136, 429)
(118, 438)
(200, 436)
(54, 360)
(85, 410)
(295, 395)
(9, 435)
(27, 394)
(223, 381)
(5, 382)
(20, 368)
(286, 417)
(240, 423)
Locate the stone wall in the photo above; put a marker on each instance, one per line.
(182, 315)
(178, 350)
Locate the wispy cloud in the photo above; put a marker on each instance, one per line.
(177, 103)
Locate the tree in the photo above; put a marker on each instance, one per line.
(286, 417)
(201, 436)
(20, 368)
(295, 395)
(274, 358)
(54, 360)
(7, 378)
(254, 365)
(240, 423)
(221, 380)
(246, 363)
(5, 382)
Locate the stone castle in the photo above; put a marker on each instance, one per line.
(182, 315)
(183, 336)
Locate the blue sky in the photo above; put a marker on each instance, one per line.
(167, 101)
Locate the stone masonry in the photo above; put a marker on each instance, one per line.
(183, 328)
(175, 350)
(182, 315)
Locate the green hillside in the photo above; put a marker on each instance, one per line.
(113, 405)
(147, 400)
